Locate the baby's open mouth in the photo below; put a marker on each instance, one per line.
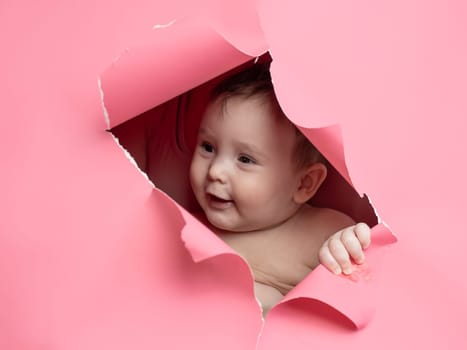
(219, 203)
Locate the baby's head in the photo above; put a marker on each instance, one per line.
(256, 83)
(252, 168)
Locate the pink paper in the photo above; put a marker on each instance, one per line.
(91, 256)
(139, 80)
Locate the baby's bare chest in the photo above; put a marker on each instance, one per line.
(277, 258)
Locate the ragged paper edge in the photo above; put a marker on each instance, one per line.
(186, 243)
(192, 30)
(127, 154)
(104, 108)
(163, 26)
(354, 283)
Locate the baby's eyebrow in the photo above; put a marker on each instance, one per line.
(204, 131)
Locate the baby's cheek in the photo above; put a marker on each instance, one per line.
(252, 194)
(192, 165)
(196, 173)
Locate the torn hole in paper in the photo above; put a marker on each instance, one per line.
(161, 142)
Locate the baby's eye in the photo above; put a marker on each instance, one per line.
(246, 160)
(207, 147)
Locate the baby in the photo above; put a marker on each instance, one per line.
(253, 173)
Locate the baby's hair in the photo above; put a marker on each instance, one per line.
(256, 81)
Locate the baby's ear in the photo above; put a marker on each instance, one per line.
(311, 179)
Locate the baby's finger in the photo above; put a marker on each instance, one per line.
(326, 259)
(352, 245)
(340, 254)
(363, 233)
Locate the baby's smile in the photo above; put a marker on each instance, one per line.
(218, 203)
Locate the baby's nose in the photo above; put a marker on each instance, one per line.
(218, 171)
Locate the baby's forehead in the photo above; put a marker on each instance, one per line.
(226, 105)
(255, 114)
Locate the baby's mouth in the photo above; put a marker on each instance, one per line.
(218, 203)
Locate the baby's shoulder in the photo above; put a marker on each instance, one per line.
(311, 228)
(325, 220)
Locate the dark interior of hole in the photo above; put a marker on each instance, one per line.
(162, 139)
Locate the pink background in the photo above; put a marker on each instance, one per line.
(90, 254)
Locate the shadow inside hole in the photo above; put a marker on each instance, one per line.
(162, 139)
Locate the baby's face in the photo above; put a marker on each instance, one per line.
(243, 172)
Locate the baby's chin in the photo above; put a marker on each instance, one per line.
(224, 227)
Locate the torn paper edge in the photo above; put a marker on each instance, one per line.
(104, 109)
(197, 260)
(131, 159)
(378, 218)
(162, 26)
(115, 138)
(261, 329)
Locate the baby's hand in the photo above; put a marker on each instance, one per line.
(348, 243)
